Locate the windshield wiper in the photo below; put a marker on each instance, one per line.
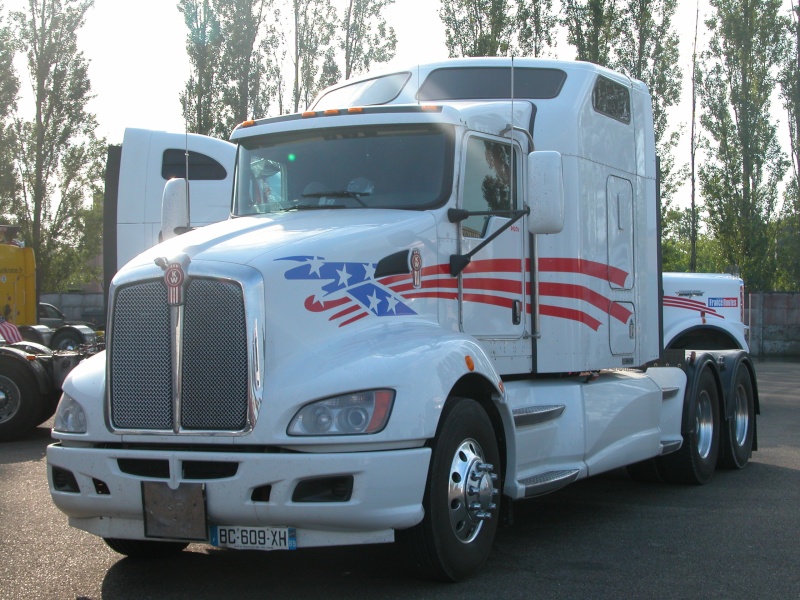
(338, 194)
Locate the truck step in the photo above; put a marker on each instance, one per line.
(533, 415)
(673, 446)
(548, 482)
(669, 392)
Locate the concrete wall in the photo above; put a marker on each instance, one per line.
(774, 320)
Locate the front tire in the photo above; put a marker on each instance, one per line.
(455, 537)
(144, 548)
(696, 460)
(737, 435)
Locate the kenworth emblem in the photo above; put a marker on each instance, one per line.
(174, 278)
(416, 268)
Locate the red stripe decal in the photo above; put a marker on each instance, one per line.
(345, 312)
(578, 292)
(570, 314)
(353, 320)
(315, 306)
(584, 267)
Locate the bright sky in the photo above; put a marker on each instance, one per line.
(139, 65)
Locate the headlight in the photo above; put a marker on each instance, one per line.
(70, 417)
(351, 414)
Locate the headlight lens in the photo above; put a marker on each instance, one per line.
(352, 414)
(70, 417)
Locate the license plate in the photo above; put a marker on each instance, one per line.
(253, 538)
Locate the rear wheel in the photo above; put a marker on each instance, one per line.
(69, 339)
(695, 462)
(20, 400)
(144, 548)
(737, 435)
(455, 537)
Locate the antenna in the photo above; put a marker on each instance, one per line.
(186, 171)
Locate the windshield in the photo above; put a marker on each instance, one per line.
(387, 166)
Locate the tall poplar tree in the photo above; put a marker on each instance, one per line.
(593, 28)
(366, 38)
(314, 28)
(9, 88)
(57, 154)
(536, 27)
(201, 98)
(788, 250)
(477, 27)
(740, 179)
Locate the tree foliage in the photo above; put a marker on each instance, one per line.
(740, 178)
(366, 38)
(788, 226)
(593, 28)
(477, 27)
(536, 27)
(56, 153)
(9, 88)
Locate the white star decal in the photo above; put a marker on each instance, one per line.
(315, 265)
(369, 272)
(392, 302)
(344, 276)
(374, 302)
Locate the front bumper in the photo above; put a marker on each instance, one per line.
(387, 491)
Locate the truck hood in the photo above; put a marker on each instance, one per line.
(256, 240)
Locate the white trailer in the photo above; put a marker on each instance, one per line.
(418, 314)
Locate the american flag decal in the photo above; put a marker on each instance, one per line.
(348, 289)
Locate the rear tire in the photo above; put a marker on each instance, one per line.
(69, 339)
(20, 400)
(696, 460)
(455, 537)
(144, 548)
(738, 432)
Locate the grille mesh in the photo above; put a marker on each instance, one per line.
(214, 374)
(214, 357)
(141, 384)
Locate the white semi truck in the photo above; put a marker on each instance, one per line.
(418, 314)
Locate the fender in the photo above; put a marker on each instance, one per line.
(419, 359)
(693, 367)
(729, 363)
(700, 325)
(86, 333)
(20, 356)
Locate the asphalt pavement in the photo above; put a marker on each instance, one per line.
(605, 537)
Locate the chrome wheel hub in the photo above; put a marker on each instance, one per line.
(704, 424)
(471, 492)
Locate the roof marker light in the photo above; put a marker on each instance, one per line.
(355, 110)
(248, 123)
(308, 113)
(331, 112)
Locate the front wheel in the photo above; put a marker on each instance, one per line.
(455, 537)
(737, 436)
(696, 460)
(144, 548)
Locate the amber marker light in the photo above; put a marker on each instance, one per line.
(331, 112)
(470, 362)
(355, 110)
(249, 123)
(308, 114)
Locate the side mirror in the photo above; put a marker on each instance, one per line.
(174, 209)
(545, 192)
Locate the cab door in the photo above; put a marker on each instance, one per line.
(492, 288)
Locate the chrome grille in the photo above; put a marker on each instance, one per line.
(214, 357)
(140, 355)
(214, 394)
